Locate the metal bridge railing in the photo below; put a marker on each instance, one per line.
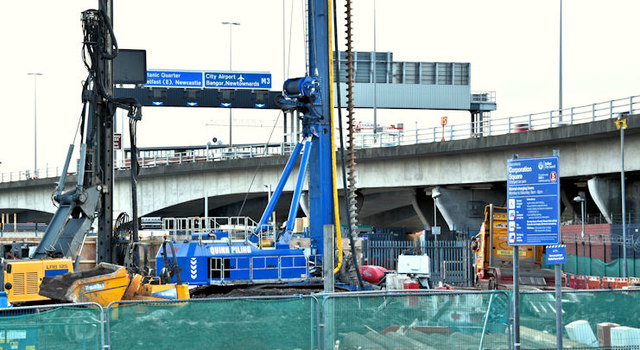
(239, 227)
(391, 138)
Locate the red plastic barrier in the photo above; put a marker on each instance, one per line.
(594, 282)
(578, 282)
(614, 282)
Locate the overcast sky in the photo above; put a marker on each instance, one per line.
(512, 46)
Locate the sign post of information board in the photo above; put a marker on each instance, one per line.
(533, 218)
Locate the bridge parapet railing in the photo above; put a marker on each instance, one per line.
(384, 138)
(502, 126)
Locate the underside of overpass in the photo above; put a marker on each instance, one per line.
(460, 208)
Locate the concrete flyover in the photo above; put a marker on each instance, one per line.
(395, 183)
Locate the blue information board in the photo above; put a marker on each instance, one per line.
(237, 80)
(556, 255)
(533, 201)
(162, 78)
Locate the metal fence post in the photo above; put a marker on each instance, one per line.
(611, 109)
(593, 112)
(550, 119)
(103, 325)
(571, 116)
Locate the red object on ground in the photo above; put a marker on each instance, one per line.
(594, 282)
(411, 285)
(578, 282)
(372, 273)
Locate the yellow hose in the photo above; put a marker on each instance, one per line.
(336, 212)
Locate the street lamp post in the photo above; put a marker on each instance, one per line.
(581, 199)
(560, 66)
(231, 24)
(435, 194)
(375, 91)
(35, 122)
(621, 123)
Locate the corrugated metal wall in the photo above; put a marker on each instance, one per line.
(418, 85)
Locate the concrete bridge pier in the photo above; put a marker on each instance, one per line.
(463, 208)
(607, 194)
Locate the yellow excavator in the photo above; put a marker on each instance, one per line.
(494, 257)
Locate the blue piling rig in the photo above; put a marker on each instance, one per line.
(224, 257)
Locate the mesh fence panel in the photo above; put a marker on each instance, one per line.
(50, 328)
(214, 324)
(583, 265)
(440, 321)
(582, 312)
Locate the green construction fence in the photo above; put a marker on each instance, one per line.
(374, 320)
(583, 265)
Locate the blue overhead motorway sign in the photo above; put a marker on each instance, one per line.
(533, 201)
(210, 80)
(175, 79)
(237, 80)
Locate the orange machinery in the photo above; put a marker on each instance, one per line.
(494, 257)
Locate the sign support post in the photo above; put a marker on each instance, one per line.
(558, 285)
(558, 275)
(516, 293)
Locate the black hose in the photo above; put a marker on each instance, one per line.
(134, 188)
(342, 158)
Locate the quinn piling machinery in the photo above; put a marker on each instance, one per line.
(250, 254)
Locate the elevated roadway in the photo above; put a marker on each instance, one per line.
(395, 183)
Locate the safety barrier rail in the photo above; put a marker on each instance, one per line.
(239, 227)
(393, 138)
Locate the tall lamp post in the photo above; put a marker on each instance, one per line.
(435, 195)
(35, 122)
(230, 24)
(621, 124)
(560, 66)
(375, 91)
(581, 199)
